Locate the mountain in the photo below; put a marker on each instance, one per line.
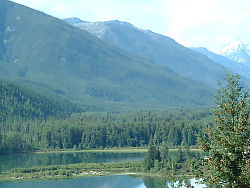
(236, 51)
(19, 103)
(234, 66)
(53, 57)
(160, 49)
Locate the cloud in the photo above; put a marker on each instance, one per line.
(190, 22)
(203, 22)
(187, 14)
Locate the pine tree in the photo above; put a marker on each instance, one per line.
(152, 155)
(228, 142)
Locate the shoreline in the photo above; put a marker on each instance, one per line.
(79, 170)
(107, 150)
(72, 171)
(110, 150)
(93, 174)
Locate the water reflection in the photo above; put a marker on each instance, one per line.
(88, 182)
(8, 162)
(119, 181)
(150, 182)
(27, 160)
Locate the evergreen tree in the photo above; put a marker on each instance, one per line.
(152, 155)
(228, 142)
(164, 152)
(179, 156)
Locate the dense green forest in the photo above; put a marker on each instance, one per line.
(100, 130)
(19, 103)
(159, 159)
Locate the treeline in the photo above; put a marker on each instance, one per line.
(102, 130)
(19, 103)
(159, 159)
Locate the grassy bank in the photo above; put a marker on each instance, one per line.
(176, 163)
(111, 150)
(88, 169)
(73, 170)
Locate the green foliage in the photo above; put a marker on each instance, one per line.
(154, 182)
(61, 60)
(170, 163)
(81, 167)
(180, 156)
(101, 130)
(19, 103)
(228, 143)
(152, 157)
(74, 170)
(13, 142)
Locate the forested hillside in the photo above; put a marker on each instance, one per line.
(161, 49)
(51, 56)
(19, 103)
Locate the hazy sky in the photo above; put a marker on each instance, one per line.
(208, 23)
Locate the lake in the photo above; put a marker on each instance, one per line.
(8, 162)
(27, 160)
(118, 181)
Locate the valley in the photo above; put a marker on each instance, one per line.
(67, 62)
(109, 104)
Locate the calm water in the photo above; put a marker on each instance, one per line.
(88, 182)
(8, 162)
(118, 181)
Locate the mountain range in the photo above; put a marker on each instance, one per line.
(50, 56)
(158, 48)
(227, 62)
(237, 51)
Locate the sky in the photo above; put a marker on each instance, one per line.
(196, 23)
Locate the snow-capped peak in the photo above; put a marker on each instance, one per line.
(74, 20)
(236, 51)
(231, 47)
